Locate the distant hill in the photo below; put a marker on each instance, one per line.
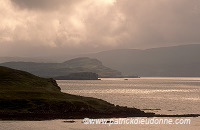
(172, 61)
(78, 76)
(83, 64)
(28, 59)
(56, 59)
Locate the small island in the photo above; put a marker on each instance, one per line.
(24, 96)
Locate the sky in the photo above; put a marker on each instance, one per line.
(40, 28)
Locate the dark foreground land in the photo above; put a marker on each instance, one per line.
(24, 96)
(78, 115)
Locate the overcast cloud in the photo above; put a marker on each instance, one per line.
(62, 27)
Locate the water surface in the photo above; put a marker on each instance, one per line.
(170, 95)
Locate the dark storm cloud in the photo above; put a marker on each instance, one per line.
(41, 4)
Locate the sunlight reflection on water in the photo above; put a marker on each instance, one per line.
(179, 95)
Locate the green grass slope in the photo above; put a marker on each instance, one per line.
(16, 80)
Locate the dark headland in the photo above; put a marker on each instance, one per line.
(24, 96)
(79, 76)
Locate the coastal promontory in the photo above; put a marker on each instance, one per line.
(79, 76)
(24, 96)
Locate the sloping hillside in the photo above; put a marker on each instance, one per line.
(76, 65)
(165, 61)
(26, 96)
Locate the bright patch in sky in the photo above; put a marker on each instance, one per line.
(108, 1)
